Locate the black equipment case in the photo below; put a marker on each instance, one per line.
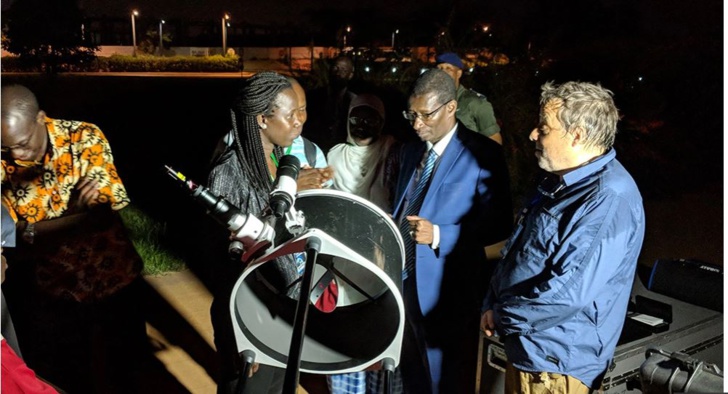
(654, 321)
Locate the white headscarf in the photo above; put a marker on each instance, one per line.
(360, 169)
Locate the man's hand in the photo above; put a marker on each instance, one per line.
(313, 178)
(253, 369)
(421, 230)
(84, 195)
(487, 324)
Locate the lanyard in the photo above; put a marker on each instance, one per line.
(273, 155)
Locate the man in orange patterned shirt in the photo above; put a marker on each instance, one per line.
(59, 178)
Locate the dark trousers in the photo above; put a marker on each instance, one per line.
(451, 330)
(81, 347)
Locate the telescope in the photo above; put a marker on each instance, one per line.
(354, 257)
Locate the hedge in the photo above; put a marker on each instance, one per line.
(124, 63)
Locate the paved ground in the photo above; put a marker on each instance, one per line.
(189, 297)
(177, 341)
(183, 336)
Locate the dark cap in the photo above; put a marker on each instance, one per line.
(450, 58)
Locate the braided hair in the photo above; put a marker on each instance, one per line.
(257, 97)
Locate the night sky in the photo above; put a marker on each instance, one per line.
(566, 23)
(566, 27)
(669, 17)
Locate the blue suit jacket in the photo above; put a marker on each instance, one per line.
(469, 199)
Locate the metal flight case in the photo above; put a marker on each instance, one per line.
(653, 321)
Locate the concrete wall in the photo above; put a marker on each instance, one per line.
(248, 53)
(256, 53)
(300, 56)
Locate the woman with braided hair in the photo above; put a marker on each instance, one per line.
(265, 119)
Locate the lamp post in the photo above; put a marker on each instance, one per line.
(161, 45)
(394, 33)
(225, 25)
(134, 14)
(348, 30)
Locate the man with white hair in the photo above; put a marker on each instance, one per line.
(559, 296)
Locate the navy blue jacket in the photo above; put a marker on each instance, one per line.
(560, 293)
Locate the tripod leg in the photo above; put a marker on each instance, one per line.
(313, 245)
(248, 357)
(388, 367)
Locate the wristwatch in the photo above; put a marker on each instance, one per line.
(29, 233)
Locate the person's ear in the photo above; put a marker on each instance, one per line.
(577, 134)
(262, 121)
(40, 118)
(459, 74)
(452, 107)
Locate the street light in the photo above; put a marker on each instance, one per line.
(348, 30)
(134, 14)
(161, 22)
(393, 34)
(225, 25)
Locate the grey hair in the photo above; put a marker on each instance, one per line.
(435, 81)
(585, 105)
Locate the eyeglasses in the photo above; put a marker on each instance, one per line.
(23, 146)
(412, 115)
(370, 122)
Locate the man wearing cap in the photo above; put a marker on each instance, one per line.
(474, 111)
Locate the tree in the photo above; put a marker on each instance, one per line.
(150, 43)
(48, 35)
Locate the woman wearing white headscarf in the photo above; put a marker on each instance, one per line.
(360, 162)
(360, 167)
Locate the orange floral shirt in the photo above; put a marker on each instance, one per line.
(76, 150)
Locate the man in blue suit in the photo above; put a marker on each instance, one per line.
(452, 200)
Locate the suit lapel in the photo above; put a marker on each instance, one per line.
(453, 150)
(412, 156)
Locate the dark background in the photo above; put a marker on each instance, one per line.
(663, 60)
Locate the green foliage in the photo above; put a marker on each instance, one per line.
(217, 63)
(140, 63)
(148, 235)
(149, 45)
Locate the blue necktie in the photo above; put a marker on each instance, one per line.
(413, 208)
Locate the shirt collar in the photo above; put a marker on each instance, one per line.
(552, 183)
(591, 167)
(440, 146)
